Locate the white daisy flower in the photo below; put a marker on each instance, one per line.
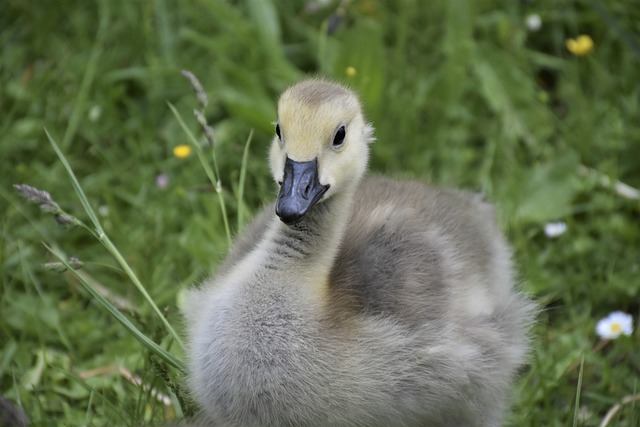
(614, 325)
(554, 229)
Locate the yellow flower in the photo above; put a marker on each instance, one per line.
(182, 151)
(580, 46)
(351, 71)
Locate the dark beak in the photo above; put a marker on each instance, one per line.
(299, 191)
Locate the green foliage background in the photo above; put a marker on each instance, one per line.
(461, 94)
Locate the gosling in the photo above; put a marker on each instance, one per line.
(356, 301)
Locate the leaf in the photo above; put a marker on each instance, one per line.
(32, 377)
(546, 191)
(511, 94)
(265, 20)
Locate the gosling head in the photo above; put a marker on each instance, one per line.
(320, 148)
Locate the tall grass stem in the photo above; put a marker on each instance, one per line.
(88, 76)
(104, 239)
(117, 314)
(213, 176)
(576, 409)
(241, 181)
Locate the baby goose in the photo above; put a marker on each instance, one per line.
(357, 302)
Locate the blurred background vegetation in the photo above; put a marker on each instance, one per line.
(476, 94)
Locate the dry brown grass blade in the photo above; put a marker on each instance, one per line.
(616, 408)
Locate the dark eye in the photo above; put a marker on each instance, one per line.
(338, 140)
(278, 131)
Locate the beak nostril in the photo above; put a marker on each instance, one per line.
(306, 191)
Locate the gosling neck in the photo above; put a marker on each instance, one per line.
(313, 242)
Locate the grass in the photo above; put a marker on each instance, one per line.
(461, 94)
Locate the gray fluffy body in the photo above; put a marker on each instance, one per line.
(389, 304)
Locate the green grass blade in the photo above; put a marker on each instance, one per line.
(10, 348)
(576, 409)
(132, 276)
(207, 168)
(89, 412)
(241, 181)
(147, 342)
(104, 239)
(88, 76)
(76, 185)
